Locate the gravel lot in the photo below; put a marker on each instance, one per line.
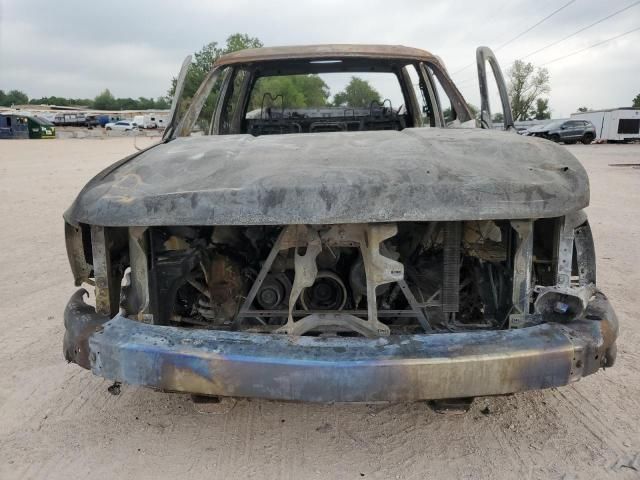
(59, 421)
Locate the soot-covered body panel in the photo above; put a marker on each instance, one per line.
(346, 177)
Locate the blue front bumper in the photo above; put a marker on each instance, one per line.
(395, 368)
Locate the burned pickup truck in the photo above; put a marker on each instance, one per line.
(372, 249)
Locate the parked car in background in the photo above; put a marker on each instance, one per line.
(40, 127)
(534, 130)
(105, 119)
(69, 119)
(123, 125)
(567, 131)
(14, 126)
(91, 121)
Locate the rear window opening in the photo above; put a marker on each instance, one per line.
(326, 102)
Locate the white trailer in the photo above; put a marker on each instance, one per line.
(615, 124)
(146, 121)
(151, 120)
(162, 119)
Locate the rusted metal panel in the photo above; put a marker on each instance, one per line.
(523, 267)
(75, 252)
(395, 368)
(177, 99)
(189, 118)
(564, 246)
(80, 322)
(101, 269)
(107, 281)
(310, 369)
(585, 254)
(139, 300)
(484, 55)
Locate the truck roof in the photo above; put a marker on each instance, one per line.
(325, 52)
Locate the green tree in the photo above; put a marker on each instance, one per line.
(145, 103)
(162, 103)
(201, 64)
(53, 100)
(357, 93)
(105, 101)
(525, 85)
(297, 91)
(17, 97)
(240, 41)
(127, 104)
(636, 101)
(541, 112)
(13, 97)
(498, 118)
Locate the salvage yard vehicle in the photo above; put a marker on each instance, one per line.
(145, 121)
(40, 127)
(122, 125)
(338, 253)
(14, 125)
(566, 131)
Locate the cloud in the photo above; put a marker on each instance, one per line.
(78, 48)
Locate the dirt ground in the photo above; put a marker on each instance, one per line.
(59, 421)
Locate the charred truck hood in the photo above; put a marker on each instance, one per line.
(355, 177)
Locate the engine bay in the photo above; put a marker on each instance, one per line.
(320, 280)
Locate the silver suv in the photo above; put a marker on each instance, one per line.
(567, 131)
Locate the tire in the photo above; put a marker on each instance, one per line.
(587, 138)
(554, 138)
(108, 128)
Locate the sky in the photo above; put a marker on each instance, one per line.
(77, 48)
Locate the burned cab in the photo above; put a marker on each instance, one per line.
(344, 246)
